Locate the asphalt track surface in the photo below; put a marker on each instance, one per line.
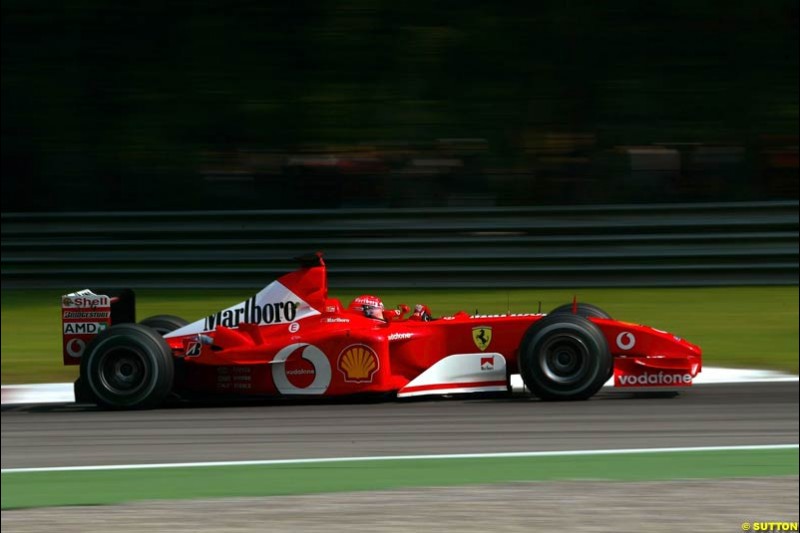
(706, 415)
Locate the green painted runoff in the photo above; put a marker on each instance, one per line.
(37, 489)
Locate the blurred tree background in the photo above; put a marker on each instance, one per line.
(187, 105)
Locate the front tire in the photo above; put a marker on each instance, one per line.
(564, 357)
(584, 310)
(128, 366)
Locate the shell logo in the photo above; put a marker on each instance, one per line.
(358, 363)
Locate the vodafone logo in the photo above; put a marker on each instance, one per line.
(75, 347)
(626, 340)
(301, 368)
(661, 378)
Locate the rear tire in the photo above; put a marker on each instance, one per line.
(584, 310)
(564, 357)
(164, 324)
(82, 392)
(128, 366)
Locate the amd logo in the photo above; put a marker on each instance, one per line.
(84, 328)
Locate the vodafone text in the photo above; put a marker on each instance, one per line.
(661, 378)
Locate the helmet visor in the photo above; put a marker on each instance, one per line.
(372, 311)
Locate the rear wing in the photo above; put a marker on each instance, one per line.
(84, 314)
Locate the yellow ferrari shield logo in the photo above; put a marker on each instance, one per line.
(482, 335)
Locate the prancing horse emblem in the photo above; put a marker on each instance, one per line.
(482, 335)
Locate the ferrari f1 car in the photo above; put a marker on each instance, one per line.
(291, 339)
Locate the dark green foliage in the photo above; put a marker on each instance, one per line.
(123, 104)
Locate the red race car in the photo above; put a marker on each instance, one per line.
(290, 339)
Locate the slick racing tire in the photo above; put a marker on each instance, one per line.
(584, 310)
(128, 366)
(587, 311)
(564, 357)
(164, 324)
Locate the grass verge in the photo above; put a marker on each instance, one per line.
(38, 489)
(735, 326)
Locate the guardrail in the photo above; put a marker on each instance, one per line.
(753, 243)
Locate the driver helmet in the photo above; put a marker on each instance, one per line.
(371, 306)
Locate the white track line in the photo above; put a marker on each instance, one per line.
(401, 458)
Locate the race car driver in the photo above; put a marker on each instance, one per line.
(370, 306)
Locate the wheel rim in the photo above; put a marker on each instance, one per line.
(123, 371)
(564, 359)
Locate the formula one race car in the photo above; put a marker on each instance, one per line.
(290, 339)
